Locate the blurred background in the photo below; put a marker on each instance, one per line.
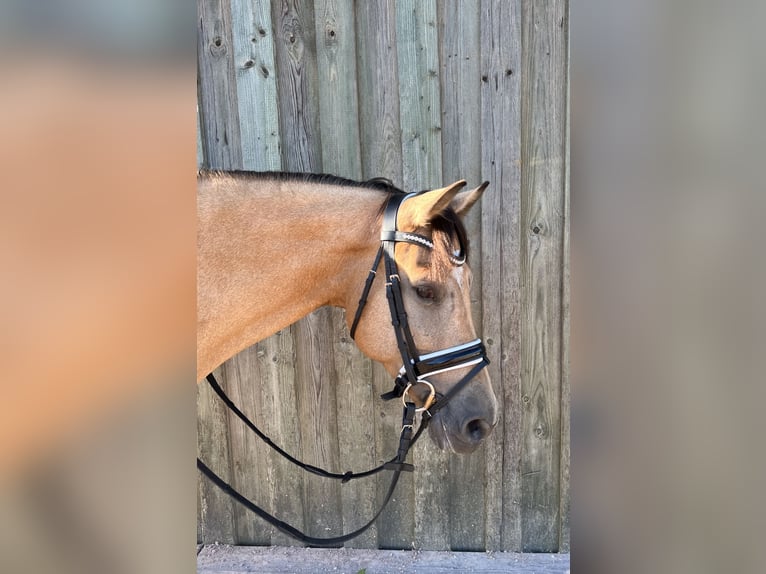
(97, 158)
(97, 286)
(668, 277)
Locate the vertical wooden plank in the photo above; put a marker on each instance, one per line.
(242, 377)
(256, 78)
(543, 148)
(339, 127)
(221, 143)
(338, 103)
(501, 165)
(382, 156)
(417, 52)
(262, 377)
(564, 538)
(276, 364)
(315, 368)
(317, 412)
(217, 86)
(215, 507)
(419, 102)
(295, 43)
(253, 63)
(378, 79)
(200, 150)
(199, 514)
(461, 159)
(356, 436)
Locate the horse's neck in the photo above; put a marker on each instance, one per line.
(271, 252)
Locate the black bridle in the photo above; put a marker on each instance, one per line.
(415, 366)
(414, 369)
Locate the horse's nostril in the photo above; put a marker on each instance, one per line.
(477, 429)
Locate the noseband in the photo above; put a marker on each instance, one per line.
(414, 369)
(415, 366)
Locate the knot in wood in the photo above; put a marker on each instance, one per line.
(218, 47)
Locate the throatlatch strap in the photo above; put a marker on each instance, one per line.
(366, 291)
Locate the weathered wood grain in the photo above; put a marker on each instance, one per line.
(380, 134)
(242, 378)
(461, 159)
(315, 366)
(217, 92)
(295, 43)
(542, 222)
(200, 149)
(220, 140)
(261, 151)
(338, 102)
(276, 365)
(417, 52)
(317, 412)
(378, 78)
(501, 164)
(200, 519)
(215, 507)
(256, 78)
(339, 126)
(564, 493)
(356, 433)
(336, 86)
(250, 378)
(420, 119)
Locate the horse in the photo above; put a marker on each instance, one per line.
(273, 247)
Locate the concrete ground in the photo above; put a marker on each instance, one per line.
(221, 559)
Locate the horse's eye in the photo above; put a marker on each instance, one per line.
(426, 292)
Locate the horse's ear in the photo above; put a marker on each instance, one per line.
(418, 211)
(464, 200)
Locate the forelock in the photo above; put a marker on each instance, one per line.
(448, 235)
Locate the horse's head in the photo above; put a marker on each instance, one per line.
(435, 287)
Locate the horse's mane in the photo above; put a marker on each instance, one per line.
(447, 227)
(378, 183)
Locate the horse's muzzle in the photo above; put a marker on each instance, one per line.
(468, 437)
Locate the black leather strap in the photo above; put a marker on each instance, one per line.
(345, 477)
(442, 400)
(284, 526)
(366, 291)
(389, 236)
(452, 359)
(397, 464)
(400, 384)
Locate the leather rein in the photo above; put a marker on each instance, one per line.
(415, 368)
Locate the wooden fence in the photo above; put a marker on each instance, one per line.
(424, 93)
